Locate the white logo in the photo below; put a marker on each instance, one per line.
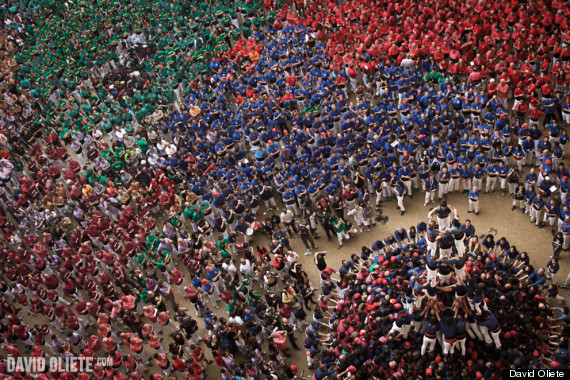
(56, 364)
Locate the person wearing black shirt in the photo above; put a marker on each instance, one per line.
(442, 213)
(320, 261)
(338, 206)
(290, 330)
(305, 234)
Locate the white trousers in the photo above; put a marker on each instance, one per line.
(428, 342)
(401, 202)
(473, 205)
(443, 190)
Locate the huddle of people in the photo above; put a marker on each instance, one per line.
(139, 141)
(437, 303)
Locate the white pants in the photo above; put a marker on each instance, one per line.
(408, 186)
(503, 182)
(445, 253)
(432, 246)
(342, 235)
(294, 208)
(491, 337)
(466, 184)
(551, 219)
(519, 163)
(460, 345)
(270, 203)
(444, 278)
(534, 215)
(473, 331)
(431, 277)
(454, 184)
(478, 182)
(443, 189)
(428, 342)
(430, 195)
(378, 197)
(552, 276)
(448, 348)
(387, 191)
(404, 329)
(214, 298)
(418, 326)
(415, 182)
(310, 360)
(566, 242)
(461, 272)
(444, 223)
(401, 202)
(460, 246)
(527, 159)
(474, 205)
(491, 183)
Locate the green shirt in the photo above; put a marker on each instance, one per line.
(142, 145)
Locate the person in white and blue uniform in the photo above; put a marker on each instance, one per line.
(430, 186)
(474, 200)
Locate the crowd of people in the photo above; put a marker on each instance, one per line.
(144, 144)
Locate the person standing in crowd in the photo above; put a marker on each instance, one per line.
(474, 200)
(430, 185)
(552, 268)
(341, 229)
(305, 234)
(400, 193)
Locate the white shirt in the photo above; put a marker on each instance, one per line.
(292, 258)
(232, 270)
(170, 149)
(246, 267)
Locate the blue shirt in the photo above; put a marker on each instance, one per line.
(536, 279)
(213, 273)
(474, 196)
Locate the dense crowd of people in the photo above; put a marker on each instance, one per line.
(144, 144)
